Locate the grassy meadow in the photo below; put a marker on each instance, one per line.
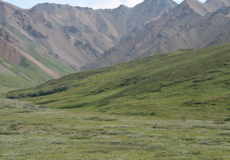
(29, 131)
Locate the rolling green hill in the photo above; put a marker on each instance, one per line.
(193, 84)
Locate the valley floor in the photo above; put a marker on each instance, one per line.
(36, 132)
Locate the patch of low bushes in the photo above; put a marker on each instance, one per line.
(38, 93)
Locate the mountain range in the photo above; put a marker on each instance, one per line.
(189, 25)
(54, 40)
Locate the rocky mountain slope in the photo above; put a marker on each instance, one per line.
(214, 5)
(52, 40)
(61, 39)
(190, 25)
(76, 35)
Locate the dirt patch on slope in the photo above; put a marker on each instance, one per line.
(8, 52)
(40, 65)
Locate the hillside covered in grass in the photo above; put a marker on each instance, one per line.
(23, 66)
(192, 84)
(15, 77)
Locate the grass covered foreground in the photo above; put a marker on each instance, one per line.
(36, 132)
(192, 84)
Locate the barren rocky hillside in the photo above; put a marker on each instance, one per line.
(190, 25)
(76, 35)
(83, 38)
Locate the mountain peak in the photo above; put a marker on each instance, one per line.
(49, 7)
(214, 5)
(224, 1)
(149, 6)
(196, 5)
(158, 1)
(3, 3)
(122, 6)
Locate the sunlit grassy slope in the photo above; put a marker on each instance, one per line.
(51, 63)
(193, 84)
(20, 77)
(26, 73)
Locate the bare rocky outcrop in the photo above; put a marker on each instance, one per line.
(4, 35)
